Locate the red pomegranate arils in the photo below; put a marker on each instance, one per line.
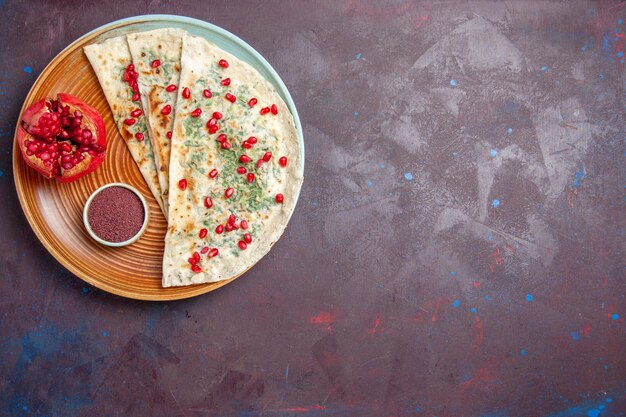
(250, 177)
(170, 88)
(221, 137)
(264, 111)
(139, 136)
(232, 219)
(259, 163)
(196, 268)
(182, 184)
(242, 245)
(196, 256)
(217, 115)
(283, 161)
(280, 198)
(244, 225)
(208, 202)
(167, 109)
(230, 97)
(225, 82)
(204, 250)
(274, 109)
(196, 113)
(246, 145)
(192, 261)
(229, 192)
(186, 92)
(213, 129)
(223, 63)
(213, 173)
(169, 135)
(136, 97)
(131, 67)
(136, 112)
(155, 64)
(129, 122)
(252, 102)
(229, 227)
(226, 145)
(213, 253)
(252, 140)
(219, 229)
(207, 93)
(267, 156)
(241, 170)
(211, 122)
(244, 159)
(247, 237)
(203, 233)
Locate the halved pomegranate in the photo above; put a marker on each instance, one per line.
(63, 138)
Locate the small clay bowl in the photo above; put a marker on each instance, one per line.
(129, 241)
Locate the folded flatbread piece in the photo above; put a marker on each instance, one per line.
(196, 153)
(110, 60)
(156, 55)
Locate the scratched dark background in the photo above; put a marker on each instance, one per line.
(456, 251)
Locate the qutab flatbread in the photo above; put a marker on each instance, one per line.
(110, 60)
(221, 197)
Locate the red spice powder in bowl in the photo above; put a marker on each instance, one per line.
(116, 215)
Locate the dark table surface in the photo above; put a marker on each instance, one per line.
(457, 247)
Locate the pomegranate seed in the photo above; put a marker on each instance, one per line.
(242, 245)
(213, 173)
(130, 67)
(280, 198)
(155, 64)
(283, 161)
(252, 140)
(274, 109)
(226, 145)
(139, 136)
(244, 225)
(267, 156)
(204, 250)
(230, 97)
(219, 229)
(136, 97)
(264, 111)
(259, 163)
(182, 184)
(232, 219)
(136, 112)
(169, 135)
(212, 122)
(229, 192)
(223, 63)
(186, 92)
(235, 226)
(213, 252)
(170, 88)
(208, 202)
(244, 159)
(252, 102)
(217, 115)
(229, 227)
(196, 256)
(135, 88)
(166, 110)
(225, 82)
(203, 233)
(126, 76)
(247, 238)
(246, 145)
(207, 93)
(196, 268)
(192, 261)
(213, 129)
(221, 137)
(129, 122)
(241, 170)
(250, 177)
(196, 113)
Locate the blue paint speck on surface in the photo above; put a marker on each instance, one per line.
(456, 303)
(1, 173)
(529, 297)
(509, 130)
(473, 310)
(619, 21)
(104, 333)
(28, 69)
(357, 55)
(495, 203)
(609, 399)
(381, 166)
(593, 412)
(577, 178)
(601, 76)
(25, 408)
(487, 297)
(522, 352)
(356, 114)
(575, 336)
(85, 290)
(369, 183)
(347, 82)
(490, 238)
(493, 153)
(408, 176)
(583, 48)
(544, 68)
(453, 273)
(619, 54)
(453, 83)
(615, 316)
(418, 410)
(605, 43)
